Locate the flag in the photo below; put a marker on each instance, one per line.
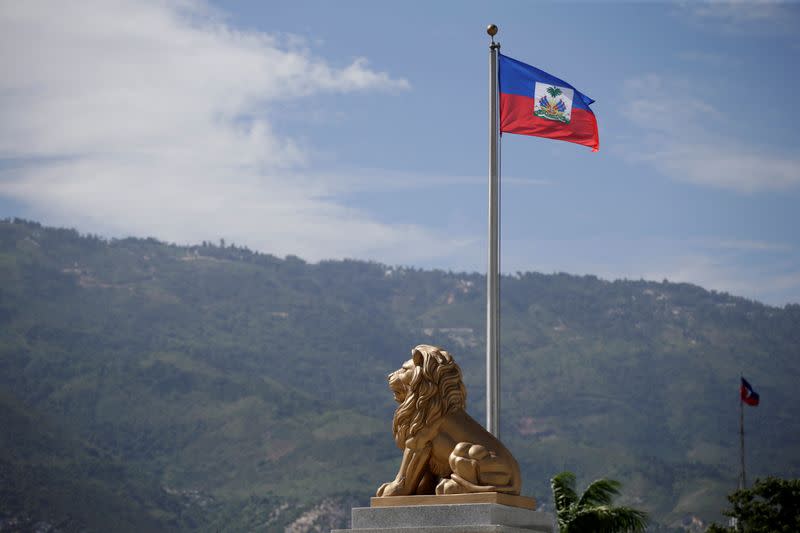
(532, 102)
(749, 396)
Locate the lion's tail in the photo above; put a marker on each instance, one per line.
(472, 487)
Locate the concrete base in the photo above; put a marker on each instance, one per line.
(512, 500)
(453, 518)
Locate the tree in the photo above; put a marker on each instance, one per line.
(592, 512)
(772, 505)
(554, 91)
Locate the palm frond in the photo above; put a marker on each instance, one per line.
(600, 492)
(607, 519)
(554, 91)
(564, 494)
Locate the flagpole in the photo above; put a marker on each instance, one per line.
(742, 478)
(493, 271)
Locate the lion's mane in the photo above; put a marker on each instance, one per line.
(436, 389)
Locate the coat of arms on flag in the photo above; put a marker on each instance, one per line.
(552, 102)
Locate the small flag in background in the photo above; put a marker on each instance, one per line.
(532, 102)
(749, 396)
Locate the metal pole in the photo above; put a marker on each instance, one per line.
(493, 272)
(743, 478)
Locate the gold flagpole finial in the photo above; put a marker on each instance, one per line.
(492, 30)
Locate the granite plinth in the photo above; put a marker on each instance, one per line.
(512, 500)
(449, 518)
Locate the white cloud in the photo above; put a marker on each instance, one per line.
(775, 18)
(762, 270)
(708, 59)
(152, 118)
(382, 180)
(754, 246)
(680, 140)
(737, 11)
(725, 167)
(764, 283)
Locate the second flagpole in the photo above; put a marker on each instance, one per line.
(742, 476)
(493, 271)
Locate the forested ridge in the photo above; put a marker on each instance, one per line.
(146, 386)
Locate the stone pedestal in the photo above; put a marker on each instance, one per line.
(449, 518)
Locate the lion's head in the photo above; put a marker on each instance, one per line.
(427, 387)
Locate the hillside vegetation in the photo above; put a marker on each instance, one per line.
(147, 386)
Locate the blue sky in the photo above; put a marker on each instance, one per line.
(358, 129)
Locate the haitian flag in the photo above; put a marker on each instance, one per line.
(749, 396)
(532, 102)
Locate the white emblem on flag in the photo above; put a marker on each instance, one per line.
(552, 102)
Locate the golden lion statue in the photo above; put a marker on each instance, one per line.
(445, 451)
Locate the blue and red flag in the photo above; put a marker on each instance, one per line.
(532, 102)
(749, 396)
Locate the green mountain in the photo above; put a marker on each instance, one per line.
(146, 386)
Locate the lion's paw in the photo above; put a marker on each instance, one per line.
(393, 488)
(448, 486)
